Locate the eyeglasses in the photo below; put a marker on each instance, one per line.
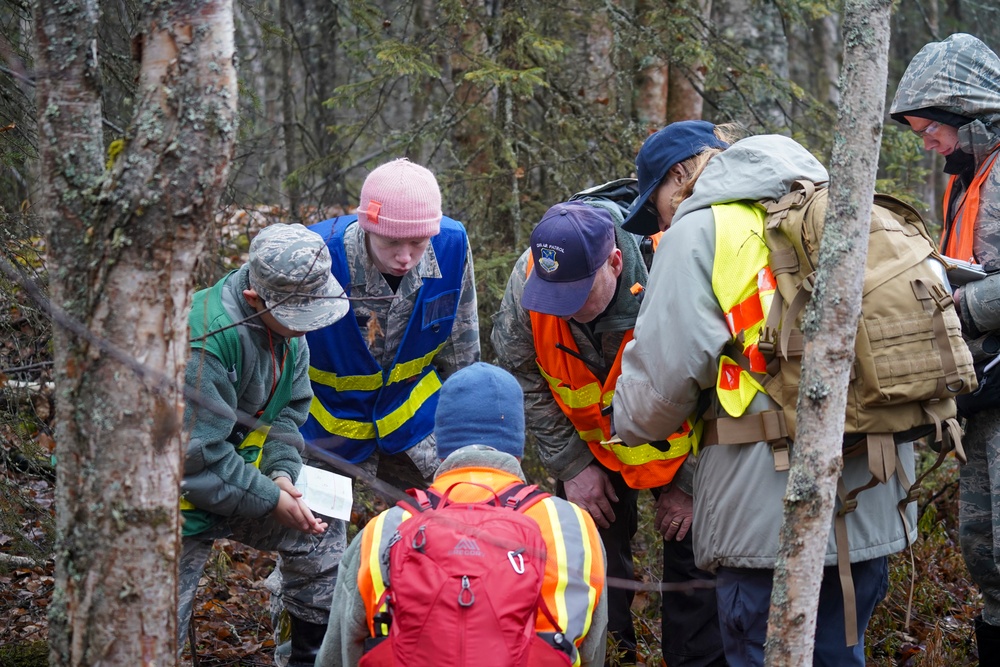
(930, 130)
(650, 208)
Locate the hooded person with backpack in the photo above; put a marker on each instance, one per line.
(950, 97)
(249, 369)
(557, 353)
(683, 339)
(399, 596)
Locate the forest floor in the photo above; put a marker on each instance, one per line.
(232, 623)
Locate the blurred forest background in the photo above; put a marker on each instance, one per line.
(515, 105)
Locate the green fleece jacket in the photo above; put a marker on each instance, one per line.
(216, 478)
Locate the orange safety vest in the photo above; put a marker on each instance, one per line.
(957, 237)
(574, 567)
(581, 397)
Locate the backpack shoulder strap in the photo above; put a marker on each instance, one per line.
(519, 496)
(419, 500)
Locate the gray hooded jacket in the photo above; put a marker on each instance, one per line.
(679, 336)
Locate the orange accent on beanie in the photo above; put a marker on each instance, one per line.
(400, 200)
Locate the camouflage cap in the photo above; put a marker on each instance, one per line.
(290, 269)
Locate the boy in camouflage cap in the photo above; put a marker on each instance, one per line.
(250, 373)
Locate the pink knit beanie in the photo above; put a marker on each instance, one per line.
(400, 200)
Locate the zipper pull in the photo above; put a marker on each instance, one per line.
(465, 596)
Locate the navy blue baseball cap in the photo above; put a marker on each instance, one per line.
(568, 246)
(661, 151)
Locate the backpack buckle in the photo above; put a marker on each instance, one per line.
(848, 507)
(781, 458)
(767, 342)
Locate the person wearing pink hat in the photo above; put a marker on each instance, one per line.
(412, 322)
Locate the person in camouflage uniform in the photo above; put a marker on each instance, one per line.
(249, 374)
(598, 329)
(413, 322)
(950, 96)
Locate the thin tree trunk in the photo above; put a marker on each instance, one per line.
(756, 30)
(289, 120)
(651, 96)
(600, 70)
(834, 310)
(827, 40)
(122, 245)
(684, 102)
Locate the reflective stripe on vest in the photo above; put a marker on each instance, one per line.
(359, 407)
(426, 388)
(581, 397)
(566, 589)
(373, 571)
(744, 286)
(958, 233)
(570, 598)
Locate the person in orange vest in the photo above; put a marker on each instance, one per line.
(567, 312)
(479, 428)
(950, 97)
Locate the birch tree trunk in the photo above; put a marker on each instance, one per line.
(830, 326)
(122, 244)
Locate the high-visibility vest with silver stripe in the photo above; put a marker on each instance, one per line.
(357, 406)
(582, 397)
(744, 286)
(568, 595)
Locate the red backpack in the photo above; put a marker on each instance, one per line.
(465, 585)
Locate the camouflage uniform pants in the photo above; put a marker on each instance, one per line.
(979, 508)
(308, 564)
(413, 468)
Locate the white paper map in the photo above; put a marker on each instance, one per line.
(325, 492)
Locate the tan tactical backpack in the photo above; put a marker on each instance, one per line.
(910, 359)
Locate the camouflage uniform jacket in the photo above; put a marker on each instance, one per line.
(961, 75)
(561, 450)
(386, 314)
(216, 478)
